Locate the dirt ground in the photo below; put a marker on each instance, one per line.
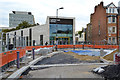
(83, 57)
(109, 57)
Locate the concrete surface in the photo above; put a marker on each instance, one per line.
(81, 71)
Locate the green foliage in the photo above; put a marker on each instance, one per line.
(22, 25)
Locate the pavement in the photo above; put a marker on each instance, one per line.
(74, 71)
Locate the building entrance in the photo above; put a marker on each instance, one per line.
(63, 40)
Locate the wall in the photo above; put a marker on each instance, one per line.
(98, 18)
(36, 32)
(40, 30)
(118, 29)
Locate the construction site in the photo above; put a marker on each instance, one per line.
(69, 61)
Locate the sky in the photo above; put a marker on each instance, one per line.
(80, 9)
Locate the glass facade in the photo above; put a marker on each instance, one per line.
(17, 18)
(62, 33)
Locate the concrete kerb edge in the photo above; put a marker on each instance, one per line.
(18, 73)
(42, 57)
(63, 65)
(105, 61)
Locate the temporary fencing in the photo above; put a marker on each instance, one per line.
(10, 56)
(7, 57)
(89, 46)
(36, 47)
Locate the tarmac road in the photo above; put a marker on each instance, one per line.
(81, 71)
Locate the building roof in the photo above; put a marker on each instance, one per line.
(21, 12)
(110, 4)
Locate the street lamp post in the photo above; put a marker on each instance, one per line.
(57, 25)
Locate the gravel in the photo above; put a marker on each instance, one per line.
(63, 59)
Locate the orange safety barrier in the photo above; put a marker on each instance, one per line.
(36, 47)
(9, 56)
(65, 46)
(78, 46)
(0, 59)
(106, 46)
(90, 46)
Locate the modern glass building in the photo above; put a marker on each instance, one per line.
(61, 31)
(18, 17)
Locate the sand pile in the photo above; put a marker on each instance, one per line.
(83, 57)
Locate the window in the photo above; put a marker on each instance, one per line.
(41, 39)
(106, 10)
(109, 29)
(113, 30)
(113, 10)
(113, 40)
(19, 41)
(111, 19)
(109, 10)
(109, 40)
(27, 41)
(81, 35)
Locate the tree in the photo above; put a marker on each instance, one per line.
(22, 25)
(80, 32)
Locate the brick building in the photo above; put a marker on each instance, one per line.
(118, 18)
(104, 24)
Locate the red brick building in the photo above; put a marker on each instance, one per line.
(104, 24)
(118, 28)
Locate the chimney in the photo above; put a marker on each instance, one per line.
(101, 3)
(95, 8)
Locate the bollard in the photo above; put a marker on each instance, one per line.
(83, 46)
(56, 47)
(18, 60)
(73, 47)
(33, 53)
